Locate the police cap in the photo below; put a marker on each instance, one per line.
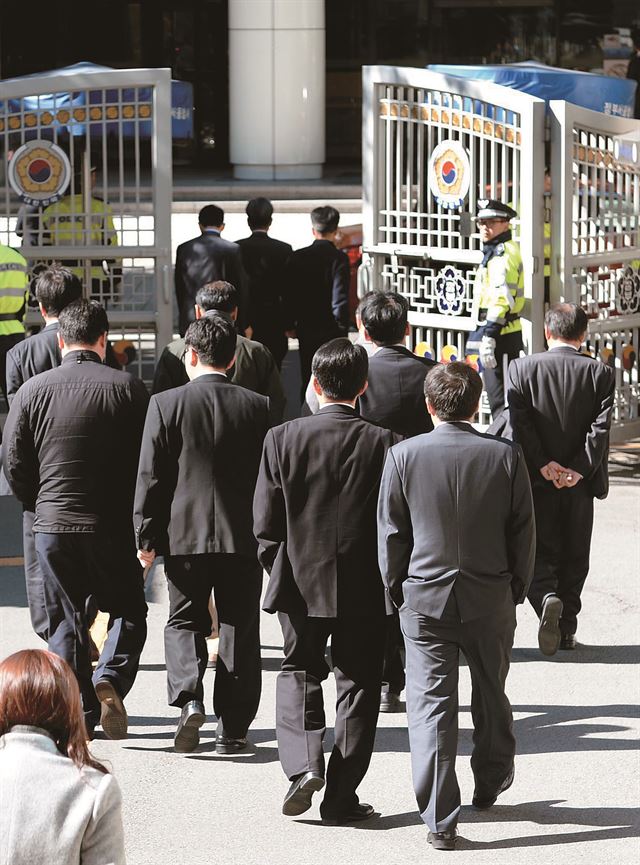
(489, 208)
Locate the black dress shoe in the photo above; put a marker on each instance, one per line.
(568, 641)
(361, 811)
(443, 840)
(549, 628)
(113, 715)
(187, 735)
(230, 744)
(390, 702)
(482, 802)
(298, 799)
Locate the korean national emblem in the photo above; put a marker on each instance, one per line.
(449, 174)
(39, 172)
(450, 291)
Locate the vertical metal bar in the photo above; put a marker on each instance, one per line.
(162, 199)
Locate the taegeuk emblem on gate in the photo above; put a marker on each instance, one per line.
(449, 174)
(39, 172)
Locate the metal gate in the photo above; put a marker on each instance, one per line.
(419, 238)
(87, 159)
(596, 240)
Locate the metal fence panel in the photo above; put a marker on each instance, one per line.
(111, 221)
(596, 240)
(415, 244)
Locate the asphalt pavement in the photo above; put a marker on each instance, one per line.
(577, 784)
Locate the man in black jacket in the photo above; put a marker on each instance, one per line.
(316, 300)
(314, 518)
(264, 260)
(70, 452)
(455, 566)
(205, 259)
(56, 287)
(253, 366)
(560, 405)
(198, 466)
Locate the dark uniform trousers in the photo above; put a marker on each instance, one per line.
(433, 647)
(237, 583)
(76, 566)
(564, 522)
(7, 342)
(356, 654)
(308, 344)
(508, 348)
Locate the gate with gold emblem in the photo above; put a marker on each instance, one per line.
(88, 184)
(433, 145)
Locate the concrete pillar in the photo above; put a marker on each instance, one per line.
(277, 88)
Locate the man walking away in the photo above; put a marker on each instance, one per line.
(198, 466)
(264, 260)
(56, 288)
(316, 306)
(560, 404)
(315, 521)
(207, 258)
(456, 565)
(70, 453)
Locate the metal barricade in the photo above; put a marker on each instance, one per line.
(596, 240)
(89, 185)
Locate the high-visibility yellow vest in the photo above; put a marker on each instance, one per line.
(65, 225)
(498, 294)
(14, 290)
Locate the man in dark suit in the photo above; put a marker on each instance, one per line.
(456, 567)
(560, 404)
(316, 300)
(264, 260)
(395, 400)
(314, 518)
(253, 366)
(56, 288)
(205, 259)
(70, 453)
(198, 466)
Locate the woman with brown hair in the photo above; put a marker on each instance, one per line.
(57, 803)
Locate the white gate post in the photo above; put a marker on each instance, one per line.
(277, 88)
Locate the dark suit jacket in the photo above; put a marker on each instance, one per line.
(456, 514)
(317, 290)
(315, 514)
(199, 461)
(71, 444)
(395, 396)
(264, 260)
(39, 353)
(560, 404)
(204, 259)
(254, 368)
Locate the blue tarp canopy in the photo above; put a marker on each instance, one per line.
(598, 92)
(181, 104)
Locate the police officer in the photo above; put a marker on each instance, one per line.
(498, 299)
(65, 224)
(14, 285)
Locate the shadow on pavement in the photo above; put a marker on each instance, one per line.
(582, 655)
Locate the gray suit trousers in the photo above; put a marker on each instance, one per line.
(433, 647)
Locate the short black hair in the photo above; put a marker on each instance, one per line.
(213, 338)
(218, 295)
(325, 219)
(83, 322)
(384, 315)
(341, 368)
(566, 321)
(453, 390)
(211, 216)
(259, 212)
(57, 287)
